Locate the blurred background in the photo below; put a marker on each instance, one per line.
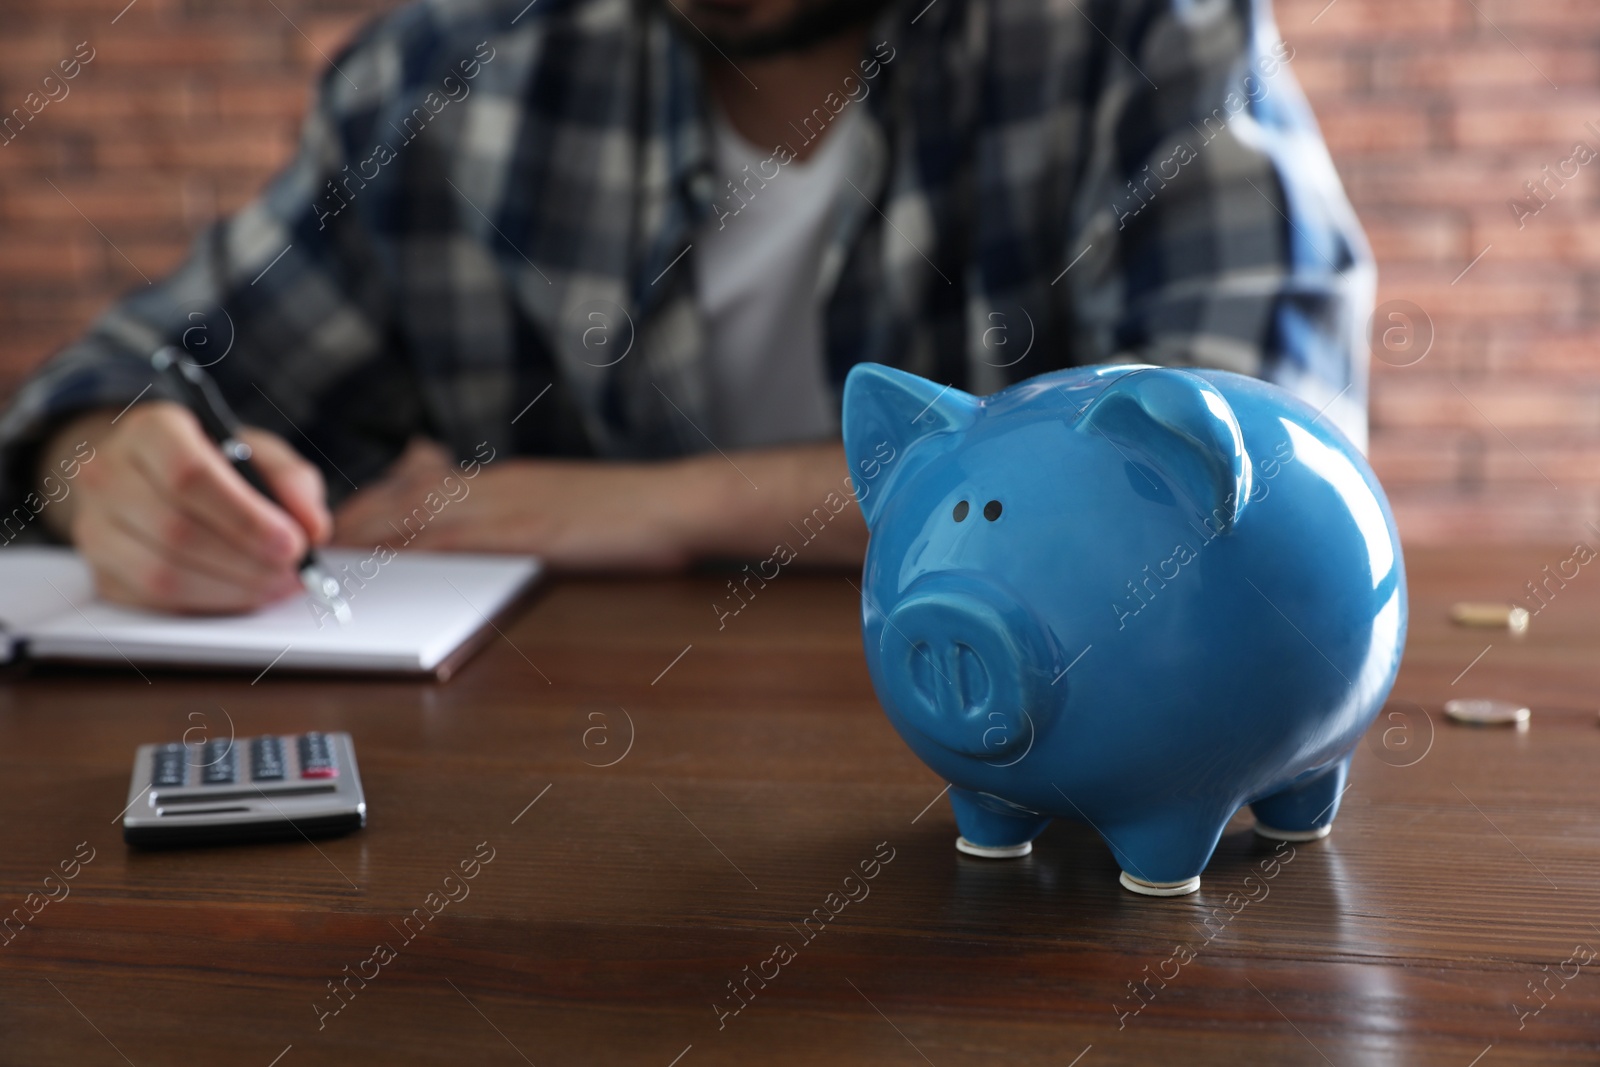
(1485, 389)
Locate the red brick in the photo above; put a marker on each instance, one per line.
(1570, 466)
(103, 262)
(1368, 19)
(120, 98)
(26, 57)
(1453, 180)
(1470, 69)
(258, 148)
(47, 261)
(1510, 407)
(1327, 73)
(1560, 356)
(1459, 350)
(1563, 18)
(1414, 237)
(25, 349)
(1489, 291)
(108, 202)
(1527, 119)
(1408, 459)
(76, 306)
(96, 12)
(181, 47)
(1354, 128)
(1527, 517)
(270, 97)
(1544, 238)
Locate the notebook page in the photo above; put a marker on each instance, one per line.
(37, 583)
(409, 615)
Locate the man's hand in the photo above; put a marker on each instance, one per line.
(165, 522)
(586, 515)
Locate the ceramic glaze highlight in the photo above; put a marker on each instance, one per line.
(1134, 597)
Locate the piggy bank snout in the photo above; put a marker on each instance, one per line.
(964, 671)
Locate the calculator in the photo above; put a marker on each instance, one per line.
(244, 789)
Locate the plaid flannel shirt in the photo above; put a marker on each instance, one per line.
(486, 234)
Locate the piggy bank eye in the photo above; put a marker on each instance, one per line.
(960, 511)
(991, 510)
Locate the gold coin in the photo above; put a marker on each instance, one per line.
(1501, 616)
(1488, 712)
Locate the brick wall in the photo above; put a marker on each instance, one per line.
(1437, 112)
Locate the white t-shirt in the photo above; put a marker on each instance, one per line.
(757, 261)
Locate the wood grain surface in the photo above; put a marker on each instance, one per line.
(750, 771)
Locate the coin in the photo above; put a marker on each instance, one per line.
(1508, 616)
(1488, 712)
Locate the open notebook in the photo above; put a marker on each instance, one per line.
(422, 612)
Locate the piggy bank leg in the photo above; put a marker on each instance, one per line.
(1164, 855)
(993, 828)
(1305, 810)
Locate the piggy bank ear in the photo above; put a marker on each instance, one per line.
(1179, 424)
(886, 412)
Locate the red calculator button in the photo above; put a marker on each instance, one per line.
(316, 756)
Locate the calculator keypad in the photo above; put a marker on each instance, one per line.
(219, 762)
(168, 766)
(229, 761)
(316, 757)
(266, 759)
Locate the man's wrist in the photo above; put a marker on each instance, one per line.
(701, 506)
(717, 511)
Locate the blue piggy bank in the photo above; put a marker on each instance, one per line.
(1135, 597)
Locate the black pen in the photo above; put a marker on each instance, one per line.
(197, 392)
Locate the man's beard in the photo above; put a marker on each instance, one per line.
(815, 23)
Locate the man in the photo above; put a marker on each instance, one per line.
(623, 252)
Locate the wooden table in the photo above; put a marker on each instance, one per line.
(750, 771)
